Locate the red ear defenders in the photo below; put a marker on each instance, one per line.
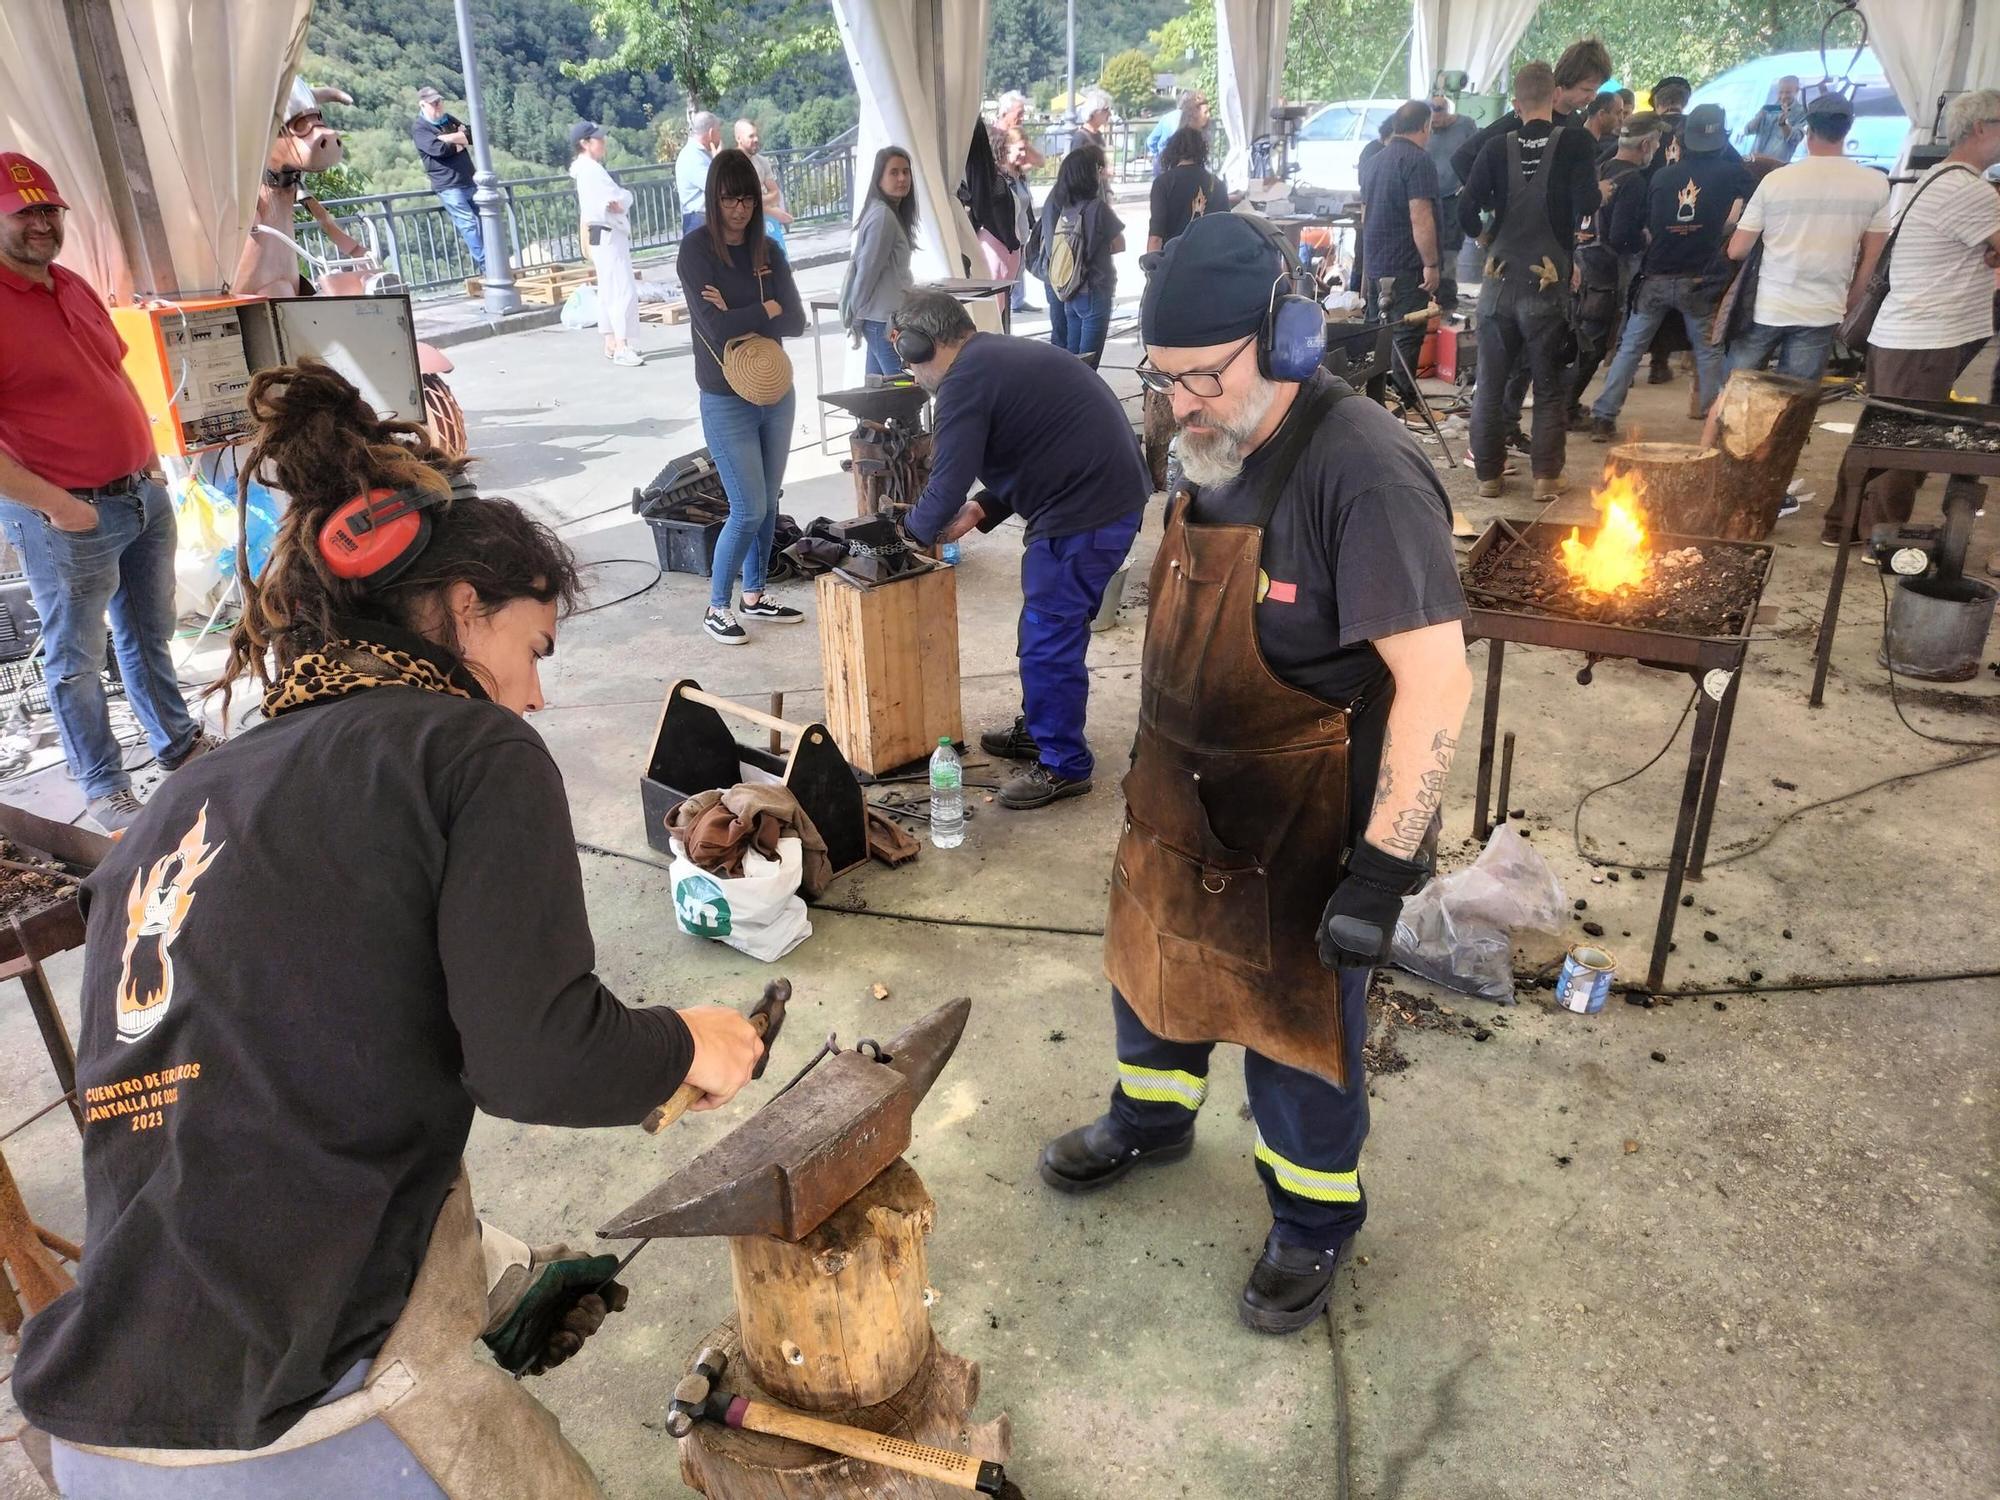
(374, 537)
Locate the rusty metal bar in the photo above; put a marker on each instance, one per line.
(1488, 723)
(1677, 862)
(1712, 783)
(1506, 776)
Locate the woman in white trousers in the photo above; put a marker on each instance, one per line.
(606, 212)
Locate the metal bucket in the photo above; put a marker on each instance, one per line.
(1114, 596)
(1937, 633)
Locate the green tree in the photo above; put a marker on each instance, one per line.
(1024, 43)
(1185, 47)
(1128, 79)
(1348, 49)
(818, 121)
(1694, 38)
(709, 47)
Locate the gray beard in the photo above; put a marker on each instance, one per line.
(1210, 456)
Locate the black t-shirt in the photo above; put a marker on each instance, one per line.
(1467, 156)
(1401, 175)
(1572, 192)
(1182, 195)
(447, 166)
(1687, 212)
(321, 946)
(1358, 548)
(730, 273)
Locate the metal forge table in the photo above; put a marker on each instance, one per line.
(26, 938)
(1714, 662)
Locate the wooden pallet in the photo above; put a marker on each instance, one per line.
(667, 314)
(544, 286)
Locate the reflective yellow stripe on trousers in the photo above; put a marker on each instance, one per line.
(1162, 1085)
(1304, 1182)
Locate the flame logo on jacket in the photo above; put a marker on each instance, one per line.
(156, 908)
(1684, 209)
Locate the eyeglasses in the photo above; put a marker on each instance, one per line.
(1206, 383)
(740, 199)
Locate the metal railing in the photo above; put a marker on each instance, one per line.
(412, 233)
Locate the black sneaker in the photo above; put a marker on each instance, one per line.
(1602, 429)
(1519, 442)
(721, 626)
(1289, 1286)
(767, 608)
(1014, 743)
(1038, 786)
(1096, 1155)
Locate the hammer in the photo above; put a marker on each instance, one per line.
(766, 1018)
(699, 1398)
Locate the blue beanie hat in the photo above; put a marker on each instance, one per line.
(1212, 283)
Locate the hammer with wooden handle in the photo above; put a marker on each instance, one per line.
(766, 1018)
(699, 1398)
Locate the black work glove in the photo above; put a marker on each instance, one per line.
(1360, 918)
(567, 1303)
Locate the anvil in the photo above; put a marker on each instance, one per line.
(786, 1169)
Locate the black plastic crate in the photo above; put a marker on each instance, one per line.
(685, 505)
(685, 546)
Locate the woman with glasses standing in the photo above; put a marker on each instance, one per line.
(878, 272)
(741, 299)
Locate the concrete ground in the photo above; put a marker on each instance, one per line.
(1735, 1245)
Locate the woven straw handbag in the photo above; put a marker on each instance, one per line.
(756, 367)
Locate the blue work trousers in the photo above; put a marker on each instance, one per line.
(749, 444)
(1309, 1132)
(125, 568)
(457, 202)
(1062, 585)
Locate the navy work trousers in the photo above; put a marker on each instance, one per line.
(1062, 585)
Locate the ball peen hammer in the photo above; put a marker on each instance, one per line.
(699, 1398)
(767, 1018)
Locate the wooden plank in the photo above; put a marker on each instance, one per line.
(889, 656)
(938, 650)
(840, 650)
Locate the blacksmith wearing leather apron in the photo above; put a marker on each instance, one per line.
(1263, 703)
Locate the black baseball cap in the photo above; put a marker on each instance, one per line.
(585, 130)
(1831, 104)
(1706, 130)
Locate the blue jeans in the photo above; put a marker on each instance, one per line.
(882, 356)
(1309, 1133)
(125, 567)
(1802, 351)
(1079, 325)
(457, 202)
(1062, 585)
(749, 444)
(1660, 296)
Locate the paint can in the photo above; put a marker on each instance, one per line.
(1585, 981)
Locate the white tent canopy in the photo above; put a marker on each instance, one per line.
(1249, 68)
(1473, 36)
(1933, 47)
(206, 79)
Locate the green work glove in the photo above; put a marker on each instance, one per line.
(565, 1305)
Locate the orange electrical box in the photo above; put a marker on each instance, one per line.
(187, 361)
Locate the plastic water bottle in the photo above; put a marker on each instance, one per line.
(947, 797)
(949, 553)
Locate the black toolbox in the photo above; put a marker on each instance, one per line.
(685, 506)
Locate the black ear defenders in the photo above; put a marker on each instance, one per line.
(912, 346)
(1293, 340)
(374, 537)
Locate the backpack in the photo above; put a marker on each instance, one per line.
(1068, 264)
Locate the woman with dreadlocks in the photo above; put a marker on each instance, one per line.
(313, 954)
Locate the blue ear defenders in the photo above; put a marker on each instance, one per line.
(1293, 340)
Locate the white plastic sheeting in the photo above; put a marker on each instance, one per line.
(1249, 70)
(919, 67)
(1477, 36)
(207, 78)
(1931, 47)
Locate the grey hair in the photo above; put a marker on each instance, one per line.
(1009, 100)
(1963, 114)
(937, 315)
(1094, 100)
(702, 122)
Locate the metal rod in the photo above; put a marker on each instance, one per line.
(1823, 652)
(778, 713)
(1506, 776)
(496, 285)
(1712, 783)
(1670, 897)
(13, 1130)
(1488, 723)
(55, 1036)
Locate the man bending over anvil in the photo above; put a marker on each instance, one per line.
(1300, 701)
(1053, 446)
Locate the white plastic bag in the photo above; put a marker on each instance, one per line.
(1458, 930)
(580, 307)
(759, 913)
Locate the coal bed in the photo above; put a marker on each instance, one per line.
(1697, 586)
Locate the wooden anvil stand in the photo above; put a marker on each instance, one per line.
(831, 1288)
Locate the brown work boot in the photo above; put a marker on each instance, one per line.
(1550, 487)
(1492, 489)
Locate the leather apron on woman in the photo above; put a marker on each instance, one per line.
(1236, 806)
(474, 1428)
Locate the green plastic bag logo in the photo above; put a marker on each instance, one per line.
(702, 908)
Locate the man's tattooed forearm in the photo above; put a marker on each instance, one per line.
(1413, 823)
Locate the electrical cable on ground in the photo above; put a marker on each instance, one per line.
(650, 584)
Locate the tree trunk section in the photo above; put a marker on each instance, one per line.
(1763, 421)
(1676, 484)
(1159, 431)
(838, 1320)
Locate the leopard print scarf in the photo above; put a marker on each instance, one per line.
(345, 666)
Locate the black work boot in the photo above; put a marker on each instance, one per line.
(1014, 743)
(1038, 786)
(1289, 1286)
(1098, 1154)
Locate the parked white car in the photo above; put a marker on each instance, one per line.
(1328, 153)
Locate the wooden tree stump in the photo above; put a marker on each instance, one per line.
(726, 1463)
(1677, 485)
(839, 1320)
(30, 1276)
(1158, 432)
(1762, 423)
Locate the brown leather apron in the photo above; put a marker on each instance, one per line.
(1236, 809)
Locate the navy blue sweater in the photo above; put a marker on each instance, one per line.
(1044, 434)
(746, 294)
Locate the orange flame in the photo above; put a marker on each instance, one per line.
(1618, 556)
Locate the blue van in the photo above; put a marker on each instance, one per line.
(1880, 124)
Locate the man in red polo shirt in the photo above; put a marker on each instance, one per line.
(78, 500)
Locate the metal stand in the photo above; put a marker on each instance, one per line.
(1424, 406)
